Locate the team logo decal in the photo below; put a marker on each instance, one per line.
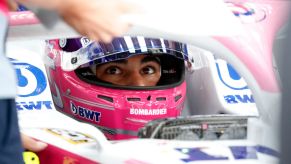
(248, 13)
(229, 77)
(62, 42)
(85, 113)
(31, 79)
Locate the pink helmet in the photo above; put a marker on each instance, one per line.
(119, 111)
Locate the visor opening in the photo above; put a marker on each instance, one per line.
(172, 75)
(178, 97)
(161, 98)
(133, 99)
(110, 99)
(149, 97)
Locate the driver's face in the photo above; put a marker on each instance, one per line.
(140, 70)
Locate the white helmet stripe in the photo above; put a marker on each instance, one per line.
(163, 45)
(129, 44)
(142, 44)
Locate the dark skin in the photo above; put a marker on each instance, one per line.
(140, 70)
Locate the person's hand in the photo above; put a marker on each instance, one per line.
(31, 144)
(12, 5)
(97, 19)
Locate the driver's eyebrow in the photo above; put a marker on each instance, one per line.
(150, 59)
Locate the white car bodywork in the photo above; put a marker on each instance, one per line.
(39, 119)
(212, 88)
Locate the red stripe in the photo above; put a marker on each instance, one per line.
(4, 7)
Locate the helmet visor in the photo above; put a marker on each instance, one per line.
(120, 48)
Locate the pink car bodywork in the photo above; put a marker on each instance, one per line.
(257, 43)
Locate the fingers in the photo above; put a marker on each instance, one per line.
(102, 29)
(129, 8)
(102, 36)
(31, 144)
(98, 20)
(107, 32)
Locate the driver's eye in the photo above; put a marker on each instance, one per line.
(148, 70)
(113, 70)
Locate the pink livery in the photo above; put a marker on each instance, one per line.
(3, 7)
(119, 111)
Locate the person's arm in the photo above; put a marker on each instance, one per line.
(97, 19)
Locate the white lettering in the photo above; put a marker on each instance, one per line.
(145, 112)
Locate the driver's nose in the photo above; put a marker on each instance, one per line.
(136, 79)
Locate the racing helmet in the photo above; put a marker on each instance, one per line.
(118, 110)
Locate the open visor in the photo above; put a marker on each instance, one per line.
(91, 53)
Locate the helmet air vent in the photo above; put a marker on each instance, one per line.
(133, 99)
(177, 97)
(149, 98)
(110, 99)
(68, 92)
(161, 99)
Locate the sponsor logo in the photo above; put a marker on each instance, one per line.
(247, 12)
(70, 160)
(229, 77)
(30, 158)
(85, 41)
(34, 105)
(31, 82)
(22, 18)
(62, 42)
(169, 71)
(31, 79)
(148, 112)
(71, 136)
(237, 153)
(234, 99)
(52, 50)
(85, 113)
(22, 15)
(232, 80)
